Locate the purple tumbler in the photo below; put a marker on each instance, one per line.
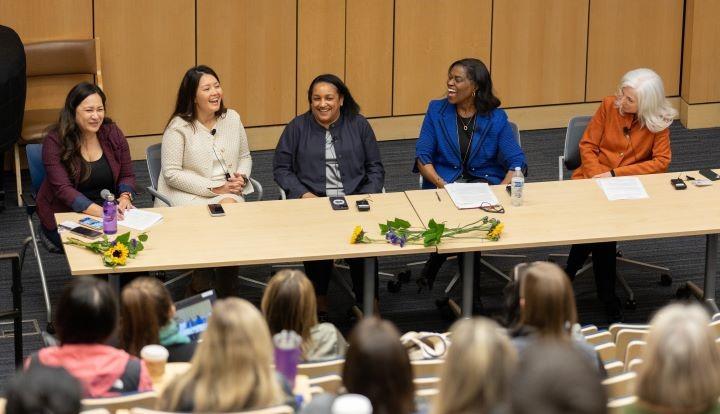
(287, 354)
(109, 214)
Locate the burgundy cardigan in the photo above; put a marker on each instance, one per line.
(58, 192)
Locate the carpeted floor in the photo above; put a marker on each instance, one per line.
(410, 309)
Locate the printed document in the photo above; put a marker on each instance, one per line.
(622, 188)
(139, 219)
(470, 195)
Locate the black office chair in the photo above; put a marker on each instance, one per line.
(571, 160)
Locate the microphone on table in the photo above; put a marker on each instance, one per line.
(213, 131)
(104, 194)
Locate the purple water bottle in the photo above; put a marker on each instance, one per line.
(109, 213)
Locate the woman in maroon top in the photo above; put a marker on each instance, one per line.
(83, 153)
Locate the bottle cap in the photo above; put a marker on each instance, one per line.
(351, 404)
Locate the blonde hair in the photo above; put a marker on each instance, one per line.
(654, 111)
(681, 373)
(549, 301)
(289, 303)
(231, 369)
(476, 375)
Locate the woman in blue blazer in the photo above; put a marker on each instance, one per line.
(465, 137)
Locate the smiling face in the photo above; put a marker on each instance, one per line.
(208, 96)
(628, 100)
(325, 103)
(89, 114)
(459, 87)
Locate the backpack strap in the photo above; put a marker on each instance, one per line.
(129, 381)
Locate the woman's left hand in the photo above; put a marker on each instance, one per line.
(124, 203)
(603, 175)
(239, 178)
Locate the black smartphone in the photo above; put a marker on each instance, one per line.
(678, 184)
(86, 232)
(362, 205)
(338, 203)
(709, 174)
(216, 210)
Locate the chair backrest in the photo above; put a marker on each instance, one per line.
(319, 369)
(427, 367)
(619, 386)
(619, 405)
(64, 57)
(575, 130)
(328, 383)
(36, 166)
(154, 164)
(112, 404)
(13, 87)
(617, 327)
(624, 337)
(635, 350)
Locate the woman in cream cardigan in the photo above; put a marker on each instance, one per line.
(205, 153)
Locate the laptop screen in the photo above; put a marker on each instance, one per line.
(192, 314)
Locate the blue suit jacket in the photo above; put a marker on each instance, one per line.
(493, 151)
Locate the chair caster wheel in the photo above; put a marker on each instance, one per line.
(665, 279)
(619, 253)
(50, 328)
(630, 304)
(393, 286)
(404, 276)
(683, 293)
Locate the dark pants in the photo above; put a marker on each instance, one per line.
(53, 237)
(320, 272)
(436, 260)
(604, 266)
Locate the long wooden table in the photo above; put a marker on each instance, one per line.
(257, 233)
(577, 211)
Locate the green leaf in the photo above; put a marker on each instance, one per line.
(401, 224)
(123, 238)
(383, 228)
(143, 237)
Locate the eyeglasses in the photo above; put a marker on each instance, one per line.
(492, 208)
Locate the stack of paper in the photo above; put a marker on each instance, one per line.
(622, 188)
(139, 219)
(471, 195)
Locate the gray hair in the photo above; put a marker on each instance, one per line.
(654, 111)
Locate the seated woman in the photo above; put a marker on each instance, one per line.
(547, 310)
(43, 389)
(232, 367)
(84, 153)
(681, 368)
(86, 318)
(628, 135)
(477, 371)
(465, 137)
(147, 313)
(289, 303)
(330, 150)
(205, 159)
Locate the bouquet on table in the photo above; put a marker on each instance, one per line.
(114, 252)
(400, 232)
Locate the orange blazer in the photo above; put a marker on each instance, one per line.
(605, 146)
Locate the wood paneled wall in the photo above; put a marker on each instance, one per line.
(393, 54)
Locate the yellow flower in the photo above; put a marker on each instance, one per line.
(357, 235)
(117, 255)
(494, 234)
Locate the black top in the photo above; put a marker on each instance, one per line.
(101, 177)
(466, 128)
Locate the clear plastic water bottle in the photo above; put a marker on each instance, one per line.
(516, 187)
(109, 215)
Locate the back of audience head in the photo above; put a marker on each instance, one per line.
(87, 312)
(554, 377)
(378, 367)
(146, 308)
(232, 366)
(681, 369)
(289, 304)
(547, 301)
(43, 390)
(477, 371)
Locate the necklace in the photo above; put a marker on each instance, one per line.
(470, 121)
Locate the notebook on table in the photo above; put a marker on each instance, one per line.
(192, 313)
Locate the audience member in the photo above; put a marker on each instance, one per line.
(147, 313)
(232, 366)
(86, 317)
(477, 371)
(554, 377)
(330, 150)
(43, 390)
(681, 369)
(628, 135)
(289, 303)
(84, 153)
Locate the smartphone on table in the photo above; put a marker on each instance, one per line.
(86, 232)
(216, 210)
(92, 223)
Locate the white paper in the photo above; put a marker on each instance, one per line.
(470, 195)
(622, 188)
(139, 219)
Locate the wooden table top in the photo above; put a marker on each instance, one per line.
(255, 233)
(577, 211)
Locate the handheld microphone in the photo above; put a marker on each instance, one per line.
(213, 131)
(104, 194)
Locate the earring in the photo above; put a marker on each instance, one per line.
(473, 94)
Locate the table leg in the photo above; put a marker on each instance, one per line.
(468, 273)
(711, 246)
(368, 286)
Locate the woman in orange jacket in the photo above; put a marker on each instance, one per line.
(628, 135)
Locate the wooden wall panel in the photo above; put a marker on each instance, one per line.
(369, 54)
(321, 43)
(37, 21)
(429, 36)
(653, 40)
(251, 46)
(701, 56)
(146, 48)
(538, 51)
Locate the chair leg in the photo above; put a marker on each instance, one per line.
(18, 175)
(43, 280)
(642, 264)
(494, 270)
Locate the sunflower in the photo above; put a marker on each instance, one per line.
(358, 235)
(116, 255)
(494, 233)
